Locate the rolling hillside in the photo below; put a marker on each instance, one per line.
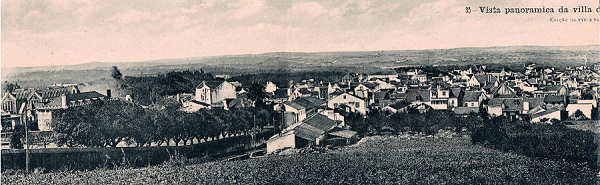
(360, 61)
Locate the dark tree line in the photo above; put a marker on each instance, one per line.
(10, 86)
(555, 141)
(149, 89)
(109, 123)
(410, 121)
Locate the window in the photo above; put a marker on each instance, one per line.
(443, 93)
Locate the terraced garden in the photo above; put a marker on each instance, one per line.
(375, 160)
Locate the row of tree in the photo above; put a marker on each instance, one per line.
(410, 121)
(106, 124)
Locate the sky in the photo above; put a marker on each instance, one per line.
(52, 32)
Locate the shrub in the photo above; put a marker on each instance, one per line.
(17, 135)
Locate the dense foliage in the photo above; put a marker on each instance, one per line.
(109, 123)
(411, 121)
(10, 86)
(535, 140)
(15, 138)
(377, 160)
(149, 89)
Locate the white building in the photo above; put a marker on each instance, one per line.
(585, 108)
(214, 92)
(354, 103)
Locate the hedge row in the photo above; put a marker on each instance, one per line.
(556, 142)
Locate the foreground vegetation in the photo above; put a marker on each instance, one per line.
(106, 124)
(555, 141)
(375, 160)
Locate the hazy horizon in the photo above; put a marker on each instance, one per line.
(261, 53)
(53, 33)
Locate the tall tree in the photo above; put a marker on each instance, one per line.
(116, 74)
(257, 93)
(9, 86)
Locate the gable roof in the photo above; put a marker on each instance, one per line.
(56, 102)
(211, 83)
(471, 96)
(314, 126)
(321, 122)
(84, 96)
(413, 95)
(485, 79)
(48, 93)
(53, 92)
(346, 94)
(344, 133)
(455, 92)
(22, 93)
(305, 103)
(307, 132)
(504, 90)
(547, 111)
(370, 85)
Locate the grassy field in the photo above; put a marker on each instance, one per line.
(375, 160)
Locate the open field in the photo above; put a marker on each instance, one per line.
(376, 160)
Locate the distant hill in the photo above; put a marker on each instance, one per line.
(359, 61)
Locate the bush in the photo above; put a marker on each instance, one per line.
(17, 135)
(544, 141)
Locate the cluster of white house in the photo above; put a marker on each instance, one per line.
(311, 109)
(538, 95)
(37, 105)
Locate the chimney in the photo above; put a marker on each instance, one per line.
(108, 93)
(63, 101)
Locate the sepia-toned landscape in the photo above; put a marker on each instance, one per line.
(299, 92)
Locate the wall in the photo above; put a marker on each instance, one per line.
(225, 91)
(495, 111)
(286, 141)
(585, 108)
(554, 115)
(91, 158)
(44, 119)
(361, 108)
